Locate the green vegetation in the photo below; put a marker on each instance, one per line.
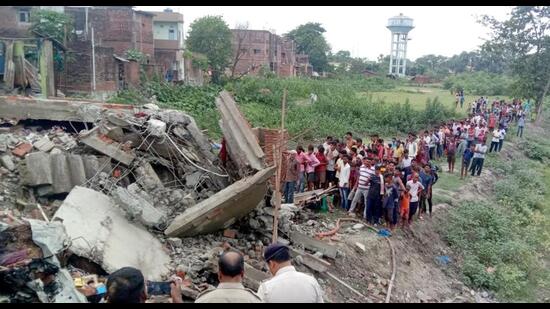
(310, 40)
(211, 37)
(505, 240)
(479, 83)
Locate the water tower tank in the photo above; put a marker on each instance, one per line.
(399, 26)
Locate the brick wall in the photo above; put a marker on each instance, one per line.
(9, 25)
(268, 138)
(118, 27)
(77, 76)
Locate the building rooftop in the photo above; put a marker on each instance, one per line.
(167, 17)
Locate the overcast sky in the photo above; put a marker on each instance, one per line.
(443, 30)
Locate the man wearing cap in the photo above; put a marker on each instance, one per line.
(230, 289)
(287, 284)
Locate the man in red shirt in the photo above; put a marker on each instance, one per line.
(321, 169)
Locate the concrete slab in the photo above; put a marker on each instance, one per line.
(101, 233)
(139, 208)
(112, 150)
(38, 169)
(242, 144)
(7, 162)
(223, 208)
(44, 144)
(313, 244)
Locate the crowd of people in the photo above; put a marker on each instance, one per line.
(391, 182)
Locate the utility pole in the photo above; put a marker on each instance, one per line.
(93, 63)
(278, 156)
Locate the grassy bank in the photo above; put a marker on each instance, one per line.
(505, 240)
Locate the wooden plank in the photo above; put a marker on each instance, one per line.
(9, 67)
(19, 64)
(313, 244)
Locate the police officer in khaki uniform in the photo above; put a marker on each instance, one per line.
(230, 289)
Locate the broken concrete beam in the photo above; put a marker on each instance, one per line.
(112, 150)
(309, 260)
(44, 144)
(78, 172)
(242, 144)
(61, 176)
(7, 162)
(223, 208)
(101, 233)
(138, 208)
(22, 150)
(313, 244)
(38, 170)
(253, 277)
(147, 175)
(94, 165)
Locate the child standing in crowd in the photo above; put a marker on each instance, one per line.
(311, 163)
(416, 188)
(466, 159)
(451, 151)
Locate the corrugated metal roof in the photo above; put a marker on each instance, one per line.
(167, 17)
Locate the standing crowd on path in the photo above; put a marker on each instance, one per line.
(387, 183)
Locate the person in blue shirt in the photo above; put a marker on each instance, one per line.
(389, 202)
(466, 159)
(426, 178)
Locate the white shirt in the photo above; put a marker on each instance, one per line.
(496, 136)
(482, 148)
(291, 286)
(340, 165)
(414, 189)
(407, 162)
(344, 175)
(412, 149)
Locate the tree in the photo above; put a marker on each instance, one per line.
(525, 38)
(239, 37)
(210, 36)
(310, 40)
(51, 24)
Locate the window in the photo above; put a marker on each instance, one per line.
(171, 34)
(24, 16)
(257, 51)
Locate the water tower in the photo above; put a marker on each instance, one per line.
(399, 27)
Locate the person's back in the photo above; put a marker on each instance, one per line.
(230, 289)
(229, 292)
(287, 284)
(290, 286)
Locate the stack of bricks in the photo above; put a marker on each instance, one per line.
(267, 139)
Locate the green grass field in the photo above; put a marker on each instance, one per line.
(417, 97)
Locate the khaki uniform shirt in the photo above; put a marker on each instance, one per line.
(229, 292)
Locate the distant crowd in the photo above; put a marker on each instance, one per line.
(391, 182)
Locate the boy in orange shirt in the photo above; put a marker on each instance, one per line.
(404, 207)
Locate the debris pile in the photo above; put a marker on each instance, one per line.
(124, 183)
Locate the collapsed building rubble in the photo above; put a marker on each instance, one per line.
(117, 176)
(141, 186)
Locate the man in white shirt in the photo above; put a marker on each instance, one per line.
(366, 171)
(287, 284)
(495, 140)
(343, 181)
(479, 157)
(415, 187)
(412, 147)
